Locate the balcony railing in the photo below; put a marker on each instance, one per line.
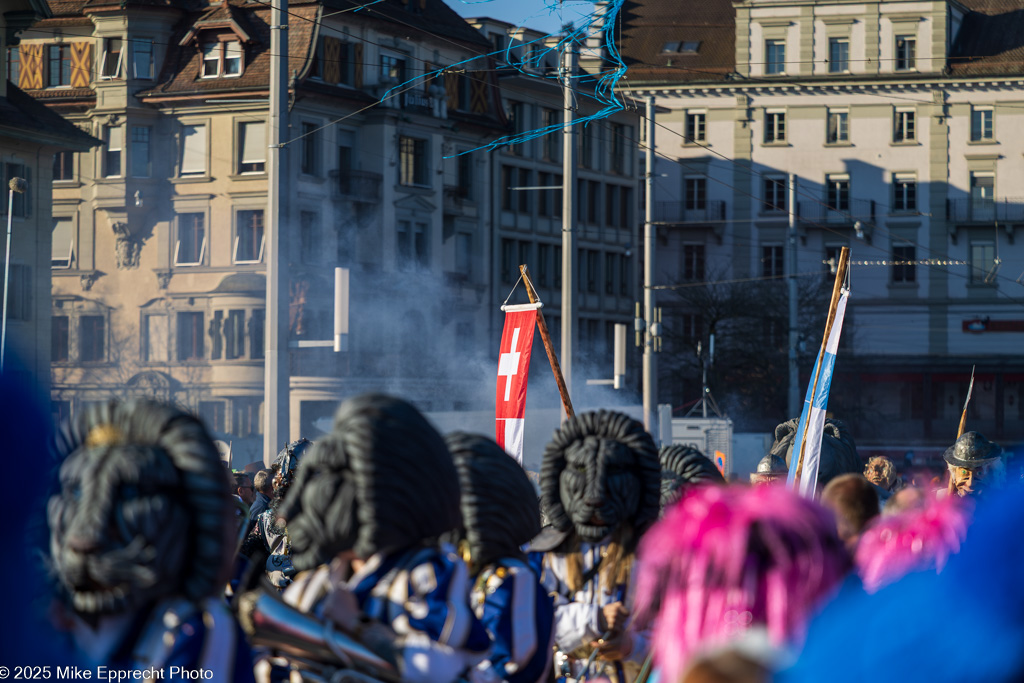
(679, 213)
(359, 186)
(972, 210)
(853, 211)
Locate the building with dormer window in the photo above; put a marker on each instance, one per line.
(897, 120)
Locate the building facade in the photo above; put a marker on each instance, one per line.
(158, 240)
(897, 121)
(33, 141)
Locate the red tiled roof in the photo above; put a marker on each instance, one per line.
(991, 39)
(433, 17)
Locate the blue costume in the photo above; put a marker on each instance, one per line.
(517, 613)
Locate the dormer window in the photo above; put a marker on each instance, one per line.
(685, 47)
(222, 59)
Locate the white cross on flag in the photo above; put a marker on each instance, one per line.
(513, 369)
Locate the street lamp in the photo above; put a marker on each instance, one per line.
(18, 185)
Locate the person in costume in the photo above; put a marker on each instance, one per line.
(771, 469)
(735, 566)
(365, 515)
(600, 489)
(500, 515)
(975, 464)
(267, 534)
(681, 467)
(141, 540)
(838, 450)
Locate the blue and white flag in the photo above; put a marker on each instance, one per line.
(812, 417)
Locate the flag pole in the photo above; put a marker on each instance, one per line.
(960, 428)
(837, 288)
(548, 346)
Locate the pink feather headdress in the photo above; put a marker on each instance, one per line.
(728, 558)
(920, 538)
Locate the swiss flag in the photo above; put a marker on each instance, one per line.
(513, 370)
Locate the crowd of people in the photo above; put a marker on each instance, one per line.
(388, 552)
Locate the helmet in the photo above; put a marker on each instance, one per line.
(972, 450)
(770, 468)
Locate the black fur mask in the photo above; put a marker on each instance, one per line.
(600, 471)
(143, 511)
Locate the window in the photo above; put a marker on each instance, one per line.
(525, 253)
(246, 414)
(982, 194)
(58, 71)
(611, 199)
(142, 58)
(838, 126)
(92, 337)
(64, 166)
(112, 153)
(773, 259)
(696, 194)
(774, 195)
(543, 264)
(62, 254)
(249, 237)
(113, 53)
(141, 165)
(310, 147)
(903, 268)
(234, 335)
(257, 327)
(625, 274)
(13, 64)
(904, 192)
(412, 161)
(190, 247)
(193, 150)
(155, 335)
(983, 261)
(222, 59)
(981, 123)
(775, 56)
(837, 192)
(903, 126)
(838, 55)
(592, 270)
(696, 126)
(693, 262)
(609, 273)
(906, 53)
(465, 175)
(190, 335)
(593, 202)
(508, 256)
(518, 117)
(523, 196)
(60, 339)
(252, 144)
(392, 69)
(21, 207)
(309, 237)
(552, 147)
(508, 179)
(586, 135)
(411, 245)
(619, 155)
(464, 253)
(774, 126)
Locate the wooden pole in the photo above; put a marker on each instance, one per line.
(837, 288)
(950, 487)
(548, 346)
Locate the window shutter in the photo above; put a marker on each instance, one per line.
(193, 158)
(451, 88)
(62, 238)
(478, 97)
(332, 59)
(31, 75)
(254, 143)
(357, 64)
(81, 64)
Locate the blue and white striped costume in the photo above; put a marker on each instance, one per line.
(577, 617)
(517, 612)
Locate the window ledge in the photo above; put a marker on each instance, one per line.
(905, 143)
(776, 144)
(248, 176)
(192, 179)
(418, 189)
(696, 143)
(839, 144)
(58, 184)
(110, 180)
(983, 142)
(904, 213)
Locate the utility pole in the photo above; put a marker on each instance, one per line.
(793, 404)
(568, 213)
(650, 369)
(276, 427)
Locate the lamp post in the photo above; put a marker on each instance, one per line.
(18, 185)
